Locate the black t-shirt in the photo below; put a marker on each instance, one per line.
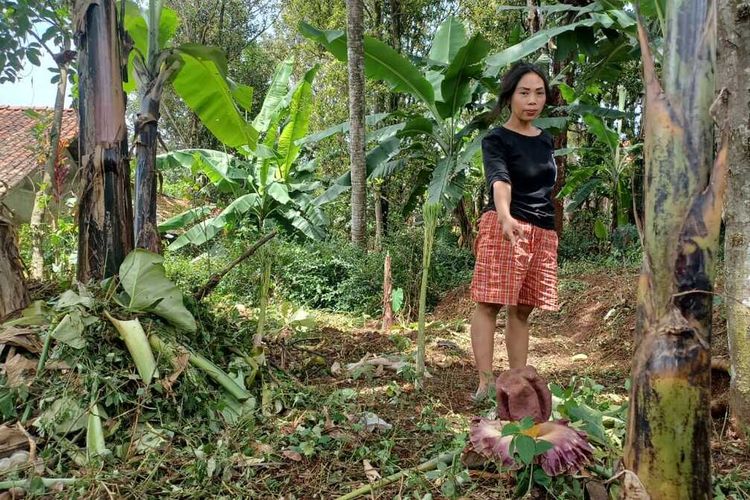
(528, 165)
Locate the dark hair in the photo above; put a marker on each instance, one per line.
(513, 76)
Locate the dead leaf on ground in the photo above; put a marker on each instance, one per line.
(336, 368)
(370, 471)
(19, 371)
(11, 439)
(25, 338)
(262, 448)
(179, 363)
(292, 455)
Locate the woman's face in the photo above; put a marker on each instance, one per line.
(529, 97)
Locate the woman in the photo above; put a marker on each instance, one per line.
(516, 249)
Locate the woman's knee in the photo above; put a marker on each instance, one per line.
(485, 308)
(521, 311)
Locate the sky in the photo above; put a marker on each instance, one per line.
(34, 87)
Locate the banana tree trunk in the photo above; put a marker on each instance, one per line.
(13, 294)
(356, 58)
(146, 233)
(41, 199)
(105, 213)
(146, 129)
(667, 445)
(734, 54)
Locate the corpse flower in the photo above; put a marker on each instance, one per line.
(569, 452)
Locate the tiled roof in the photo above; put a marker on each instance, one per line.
(19, 149)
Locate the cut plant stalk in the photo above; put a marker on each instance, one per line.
(206, 366)
(430, 214)
(266, 258)
(46, 481)
(95, 445)
(445, 458)
(137, 343)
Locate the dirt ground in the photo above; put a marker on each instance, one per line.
(591, 336)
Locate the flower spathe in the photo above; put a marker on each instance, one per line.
(570, 450)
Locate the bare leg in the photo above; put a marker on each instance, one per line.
(517, 335)
(483, 343)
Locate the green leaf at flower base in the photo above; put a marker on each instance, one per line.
(526, 423)
(510, 429)
(525, 447)
(147, 288)
(542, 446)
(540, 477)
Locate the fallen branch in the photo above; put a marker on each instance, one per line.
(445, 458)
(216, 278)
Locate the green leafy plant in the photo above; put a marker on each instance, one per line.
(268, 181)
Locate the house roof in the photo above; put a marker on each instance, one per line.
(19, 152)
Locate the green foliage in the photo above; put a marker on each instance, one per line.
(146, 288)
(29, 28)
(337, 276)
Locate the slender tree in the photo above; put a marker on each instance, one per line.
(13, 294)
(105, 213)
(356, 63)
(154, 72)
(36, 27)
(667, 447)
(733, 56)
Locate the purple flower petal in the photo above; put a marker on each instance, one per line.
(570, 449)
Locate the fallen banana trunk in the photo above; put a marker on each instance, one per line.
(204, 365)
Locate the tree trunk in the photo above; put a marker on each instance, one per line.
(42, 198)
(105, 213)
(667, 445)
(13, 294)
(146, 233)
(387, 295)
(464, 224)
(146, 129)
(356, 55)
(734, 56)
(532, 16)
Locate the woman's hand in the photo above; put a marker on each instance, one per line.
(511, 229)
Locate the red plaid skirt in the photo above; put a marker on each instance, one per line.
(522, 274)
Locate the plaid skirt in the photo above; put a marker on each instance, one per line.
(524, 273)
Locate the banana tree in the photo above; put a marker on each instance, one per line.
(198, 74)
(448, 81)
(268, 181)
(611, 176)
(667, 450)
